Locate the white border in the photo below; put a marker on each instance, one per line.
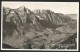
(44, 49)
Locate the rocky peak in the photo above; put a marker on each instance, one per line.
(23, 9)
(22, 24)
(42, 11)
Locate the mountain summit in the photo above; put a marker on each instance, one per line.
(22, 25)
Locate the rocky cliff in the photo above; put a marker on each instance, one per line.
(23, 28)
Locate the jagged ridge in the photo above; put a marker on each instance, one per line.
(26, 23)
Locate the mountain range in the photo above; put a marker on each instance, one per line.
(73, 16)
(23, 28)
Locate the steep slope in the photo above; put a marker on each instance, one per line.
(54, 18)
(23, 28)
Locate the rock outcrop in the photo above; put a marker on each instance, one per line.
(23, 28)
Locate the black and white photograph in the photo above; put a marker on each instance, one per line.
(46, 26)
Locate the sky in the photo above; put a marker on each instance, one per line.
(57, 7)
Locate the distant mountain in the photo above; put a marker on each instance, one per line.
(73, 16)
(22, 24)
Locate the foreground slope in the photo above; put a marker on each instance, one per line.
(23, 28)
